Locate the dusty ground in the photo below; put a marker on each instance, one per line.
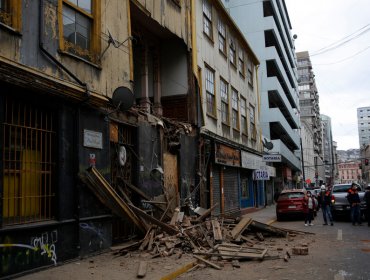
(109, 266)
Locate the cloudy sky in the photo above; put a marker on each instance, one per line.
(336, 33)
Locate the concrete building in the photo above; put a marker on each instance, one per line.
(230, 137)
(266, 25)
(310, 112)
(328, 150)
(349, 172)
(363, 122)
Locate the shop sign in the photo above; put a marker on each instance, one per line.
(272, 158)
(227, 155)
(261, 174)
(251, 161)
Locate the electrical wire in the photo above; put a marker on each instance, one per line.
(345, 59)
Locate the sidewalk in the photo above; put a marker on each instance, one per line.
(266, 215)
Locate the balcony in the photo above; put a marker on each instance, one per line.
(288, 155)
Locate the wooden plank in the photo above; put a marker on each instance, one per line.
(235, 263)
(217, 233)
(270, 229)
(165, 227)
(141, 272)
(206, 213)
(208, 262)
(240, 227)
(174, 218)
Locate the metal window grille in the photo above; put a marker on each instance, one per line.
(28, 164)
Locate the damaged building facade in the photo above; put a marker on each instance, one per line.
(159, 95)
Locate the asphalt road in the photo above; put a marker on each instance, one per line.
(339, 252)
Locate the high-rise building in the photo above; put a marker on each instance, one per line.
(266, 26)
(363, 121)
(328, 149)
(310, 116)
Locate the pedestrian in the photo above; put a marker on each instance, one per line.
(354, 202)
(308, 207)
(324, 200)
(367, 200)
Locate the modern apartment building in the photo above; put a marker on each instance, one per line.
(310, 112)
(363, 121)
(266, 25)
(328, 150)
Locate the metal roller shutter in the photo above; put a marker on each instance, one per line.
(231, 190)
(216, 193)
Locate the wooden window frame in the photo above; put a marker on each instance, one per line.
(235, 109)
(252, 120)
(241, 63)
(221, 28)
(232, 52)
(210, 91)
(250, 71)
(93, 53)
(224, 94)
(12, 16)
(243, 114)
(207, 19)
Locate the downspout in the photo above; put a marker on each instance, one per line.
(50, 56)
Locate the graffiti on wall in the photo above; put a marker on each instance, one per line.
(19, 256)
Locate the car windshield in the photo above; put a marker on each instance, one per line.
(291, 195)
(343, 188)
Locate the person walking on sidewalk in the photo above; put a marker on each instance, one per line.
(308, 206)
(354, 201)
(324, 200)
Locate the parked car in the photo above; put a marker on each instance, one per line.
(340, 205)
(290, 203)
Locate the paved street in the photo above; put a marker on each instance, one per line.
(339, 252)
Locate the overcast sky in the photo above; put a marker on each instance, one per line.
(336, 33)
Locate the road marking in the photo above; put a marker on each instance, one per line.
(340, 234)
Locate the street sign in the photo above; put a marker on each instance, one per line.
(261, 174)
(272, 158)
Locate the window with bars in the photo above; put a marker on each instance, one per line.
(224, 92)
(29, 136)
(10, 13)
(210, 91)
(80, 28)
(221, 37)
(243, 114)
(250, 72)
(241, 63)
(207, 19)
(232, 52)
(235, 109)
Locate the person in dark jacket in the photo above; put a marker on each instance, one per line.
(367, 200)
(324, 200)
(308, 208)
(354, 201)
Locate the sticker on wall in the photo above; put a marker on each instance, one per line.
(122, 155)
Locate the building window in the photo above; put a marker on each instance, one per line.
(210, 91)
(252, 122)
(207, 19)
(224, 101)
(243, 113)
(241, 63)
(232, 52)
(10, 13)
(29, 160)
(221, 37)
(235, 107)
(250, 72)
(80, 28)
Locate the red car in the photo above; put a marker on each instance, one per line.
(290, 203)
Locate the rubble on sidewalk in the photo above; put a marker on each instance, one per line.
(213, 241)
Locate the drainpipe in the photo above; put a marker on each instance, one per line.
(50, 56)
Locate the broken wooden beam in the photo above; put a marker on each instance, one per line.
(206, 213)
(208, 262)
(141, 272)
(217, 233)
(240, 227)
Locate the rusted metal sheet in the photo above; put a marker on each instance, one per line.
(171, 179)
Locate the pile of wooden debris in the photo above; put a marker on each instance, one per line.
(209, 239)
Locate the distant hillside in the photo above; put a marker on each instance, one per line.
(348, 155)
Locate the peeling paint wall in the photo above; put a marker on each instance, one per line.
(102, 78)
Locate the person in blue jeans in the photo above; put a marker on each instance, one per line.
(324, 200)
(354, 201)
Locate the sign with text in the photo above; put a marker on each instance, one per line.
(93, 139)
(272, 158)
(227, 155)
(261, 174)
(251, 161)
